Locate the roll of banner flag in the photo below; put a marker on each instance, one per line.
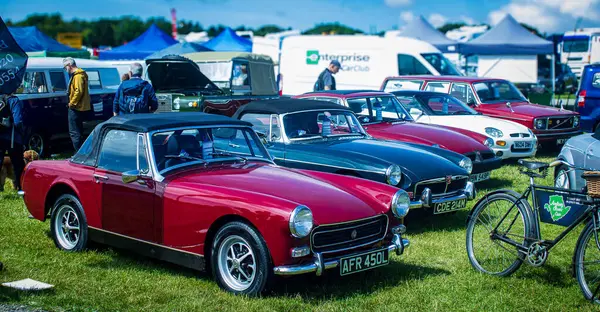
(13, 61)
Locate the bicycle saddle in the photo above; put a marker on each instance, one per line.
(533, 165)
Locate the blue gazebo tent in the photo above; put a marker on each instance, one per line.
(229, 41)
(508, 38)
(179, 48)
(421, 29)
(150, 41)
(36, 43)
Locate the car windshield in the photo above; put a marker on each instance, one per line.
(176, 148)
(576, 44)
(435, 104)
(492, 92)
(441, 64)
(321, 124)
(366, 109)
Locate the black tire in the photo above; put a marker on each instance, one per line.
(247, 239)
(38, 141)
(586, 238)
(562, 170)
(515, 259)
(67, 208)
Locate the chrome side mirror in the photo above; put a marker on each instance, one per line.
(130, 176)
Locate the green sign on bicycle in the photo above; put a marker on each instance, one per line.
(556, 207)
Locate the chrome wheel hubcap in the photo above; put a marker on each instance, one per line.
(236, 263)
(67, 227)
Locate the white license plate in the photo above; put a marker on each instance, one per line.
(366, 261)
(450, 206)
(522, 144)
(560, 141)
(478, 177)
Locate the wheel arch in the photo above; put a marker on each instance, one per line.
(54, 193)
(218, 224)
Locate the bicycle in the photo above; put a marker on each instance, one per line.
(513, 230)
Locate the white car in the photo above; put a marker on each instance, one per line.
(511, 140)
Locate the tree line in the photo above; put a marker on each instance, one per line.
(117, 31)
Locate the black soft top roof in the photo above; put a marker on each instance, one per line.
(157, 121)
(286, 105)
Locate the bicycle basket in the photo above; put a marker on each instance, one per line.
(592, 178)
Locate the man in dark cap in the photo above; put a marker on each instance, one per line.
(326, 80)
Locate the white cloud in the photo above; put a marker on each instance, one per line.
(467, 20)
(407, 16)
(529, 13)
(397, 3)
(437, 20)
(547, 15)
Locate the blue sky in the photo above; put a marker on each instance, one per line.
(547, 15)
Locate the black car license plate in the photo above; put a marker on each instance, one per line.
(450, 206)
(363, 262)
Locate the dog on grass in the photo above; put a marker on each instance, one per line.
(7, 171)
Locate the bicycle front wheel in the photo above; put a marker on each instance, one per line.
(587, 263)
(502, 215)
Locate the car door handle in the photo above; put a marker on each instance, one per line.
(99, 177)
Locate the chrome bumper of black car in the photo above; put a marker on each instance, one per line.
(427, 200)
(319, 264)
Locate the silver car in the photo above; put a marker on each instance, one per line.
(582, 151)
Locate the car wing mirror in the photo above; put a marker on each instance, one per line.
(131, 176)
(416, 113)
(263, 137)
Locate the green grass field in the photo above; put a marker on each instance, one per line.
(434, 274)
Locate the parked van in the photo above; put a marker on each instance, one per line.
(579, 48)
(588, 97)
(366, 60)
(44, 96)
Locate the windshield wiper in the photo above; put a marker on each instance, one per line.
(244, 159)
(186, 157)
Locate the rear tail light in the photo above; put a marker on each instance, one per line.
(280, 84)
(581, 98)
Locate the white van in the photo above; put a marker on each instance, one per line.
(579, 48)
(366, 60)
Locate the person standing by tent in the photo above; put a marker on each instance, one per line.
(79, 100)
(135, 95)
(326, 81)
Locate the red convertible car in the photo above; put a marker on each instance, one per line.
(202, 191)
(497, 98)
(397, 124)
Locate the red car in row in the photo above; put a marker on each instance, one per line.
(397, 124)
(497, 98)
(197, 189)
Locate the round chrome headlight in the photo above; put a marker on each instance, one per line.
(393, 175)
(489, 142)
(494, 132)
(301, 221)
(467, 164)
(575, 121)
(540, 123)
(400, 204)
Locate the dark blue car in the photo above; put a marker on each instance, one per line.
(588, 98)
(324, 136)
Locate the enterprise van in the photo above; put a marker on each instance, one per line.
(366, 60)
(44, 96)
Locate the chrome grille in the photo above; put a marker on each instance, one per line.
(165, 103)
(332, 238)
(555, 123)
(440, 188)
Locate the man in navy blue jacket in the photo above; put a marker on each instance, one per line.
(11, 137)
(135, 95)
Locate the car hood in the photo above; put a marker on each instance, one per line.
(407, 156)
(328, 203)
(177, 74)
(478, 123)
(526, 109)
(425, 134)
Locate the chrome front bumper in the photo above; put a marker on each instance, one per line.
(428, 201)
(319, 264)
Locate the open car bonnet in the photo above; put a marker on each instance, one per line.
(177, 73)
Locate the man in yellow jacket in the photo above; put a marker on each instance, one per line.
(79, 100)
